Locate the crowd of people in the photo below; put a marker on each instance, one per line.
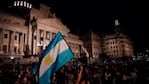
(107, 73)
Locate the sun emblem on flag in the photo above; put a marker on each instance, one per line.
(48, 60)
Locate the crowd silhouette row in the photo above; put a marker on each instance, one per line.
(107, 73)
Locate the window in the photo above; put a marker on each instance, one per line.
(41, 38)
(64, 37)
(53, 34)
(35, 37)
(4, 48)
(24, 38)
(47, 35)
(5, 35)
(15, 37)
(41, 33)
(15, 49)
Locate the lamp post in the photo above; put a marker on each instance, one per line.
(27, 45)
(34, 27)
(86, 55)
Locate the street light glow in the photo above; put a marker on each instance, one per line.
(12, 57)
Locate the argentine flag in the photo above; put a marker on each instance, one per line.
(54, 57)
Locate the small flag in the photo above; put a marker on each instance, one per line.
(86, 52)
(54, 57)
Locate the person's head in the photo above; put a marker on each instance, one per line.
(54, 74)
(94, 74)
(84, 82)
(24, 80)
(107, 67)
(62, 70)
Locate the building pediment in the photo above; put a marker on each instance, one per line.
(53, 22)
(9, 18)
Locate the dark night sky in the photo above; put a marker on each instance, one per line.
(99, 15)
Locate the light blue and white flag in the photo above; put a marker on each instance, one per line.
(54, 57)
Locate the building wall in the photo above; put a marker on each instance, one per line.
(14, 35)
(75, 44)
(113, 45)
(117, 46)
(96, 45)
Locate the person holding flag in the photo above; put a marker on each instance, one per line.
(56, 55)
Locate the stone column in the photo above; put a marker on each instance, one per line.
(11, 42)
(47, 37)
(30, 40)
(1, 39)
(21, 43)
(34, 42)
(24, 42)
(40, 42)
(44, 39)
(17, 42)
(50, 36)
(37, 41)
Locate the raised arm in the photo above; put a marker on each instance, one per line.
(79, 75)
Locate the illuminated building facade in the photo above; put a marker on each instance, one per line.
(15, 35)
(17, 39)
(113, 45)
(118, 44)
